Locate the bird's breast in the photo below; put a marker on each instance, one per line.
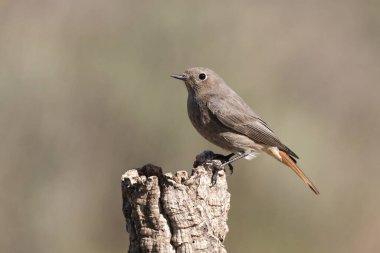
(198, 113)
(205, 122)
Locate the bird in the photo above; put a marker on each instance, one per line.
(222, 117)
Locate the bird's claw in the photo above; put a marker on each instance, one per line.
(215, 161)
(215, 170)
(224, 159)
(231, 168)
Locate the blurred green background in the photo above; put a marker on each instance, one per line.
(85, 94)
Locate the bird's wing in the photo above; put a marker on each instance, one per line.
(235, 114)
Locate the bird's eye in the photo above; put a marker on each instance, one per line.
(202, 76)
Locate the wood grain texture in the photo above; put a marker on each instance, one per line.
(176, 212)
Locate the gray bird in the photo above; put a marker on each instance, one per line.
(221, 116)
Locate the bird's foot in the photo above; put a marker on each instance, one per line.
(216, 162)
(216, 167)
(225, 159)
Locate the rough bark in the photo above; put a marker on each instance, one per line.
(176, 213)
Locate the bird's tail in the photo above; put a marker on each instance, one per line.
(285, 159)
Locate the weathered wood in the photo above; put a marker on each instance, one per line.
(176, 213)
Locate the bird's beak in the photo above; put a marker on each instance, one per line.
(180, 77)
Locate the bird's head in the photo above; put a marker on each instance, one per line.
(199, 80)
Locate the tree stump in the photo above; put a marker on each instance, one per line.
(176, 213)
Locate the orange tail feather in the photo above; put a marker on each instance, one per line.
(288, 161)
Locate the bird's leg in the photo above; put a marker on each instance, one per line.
(224, 159)
(239, 156)
(228, 162)
(207, 157)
